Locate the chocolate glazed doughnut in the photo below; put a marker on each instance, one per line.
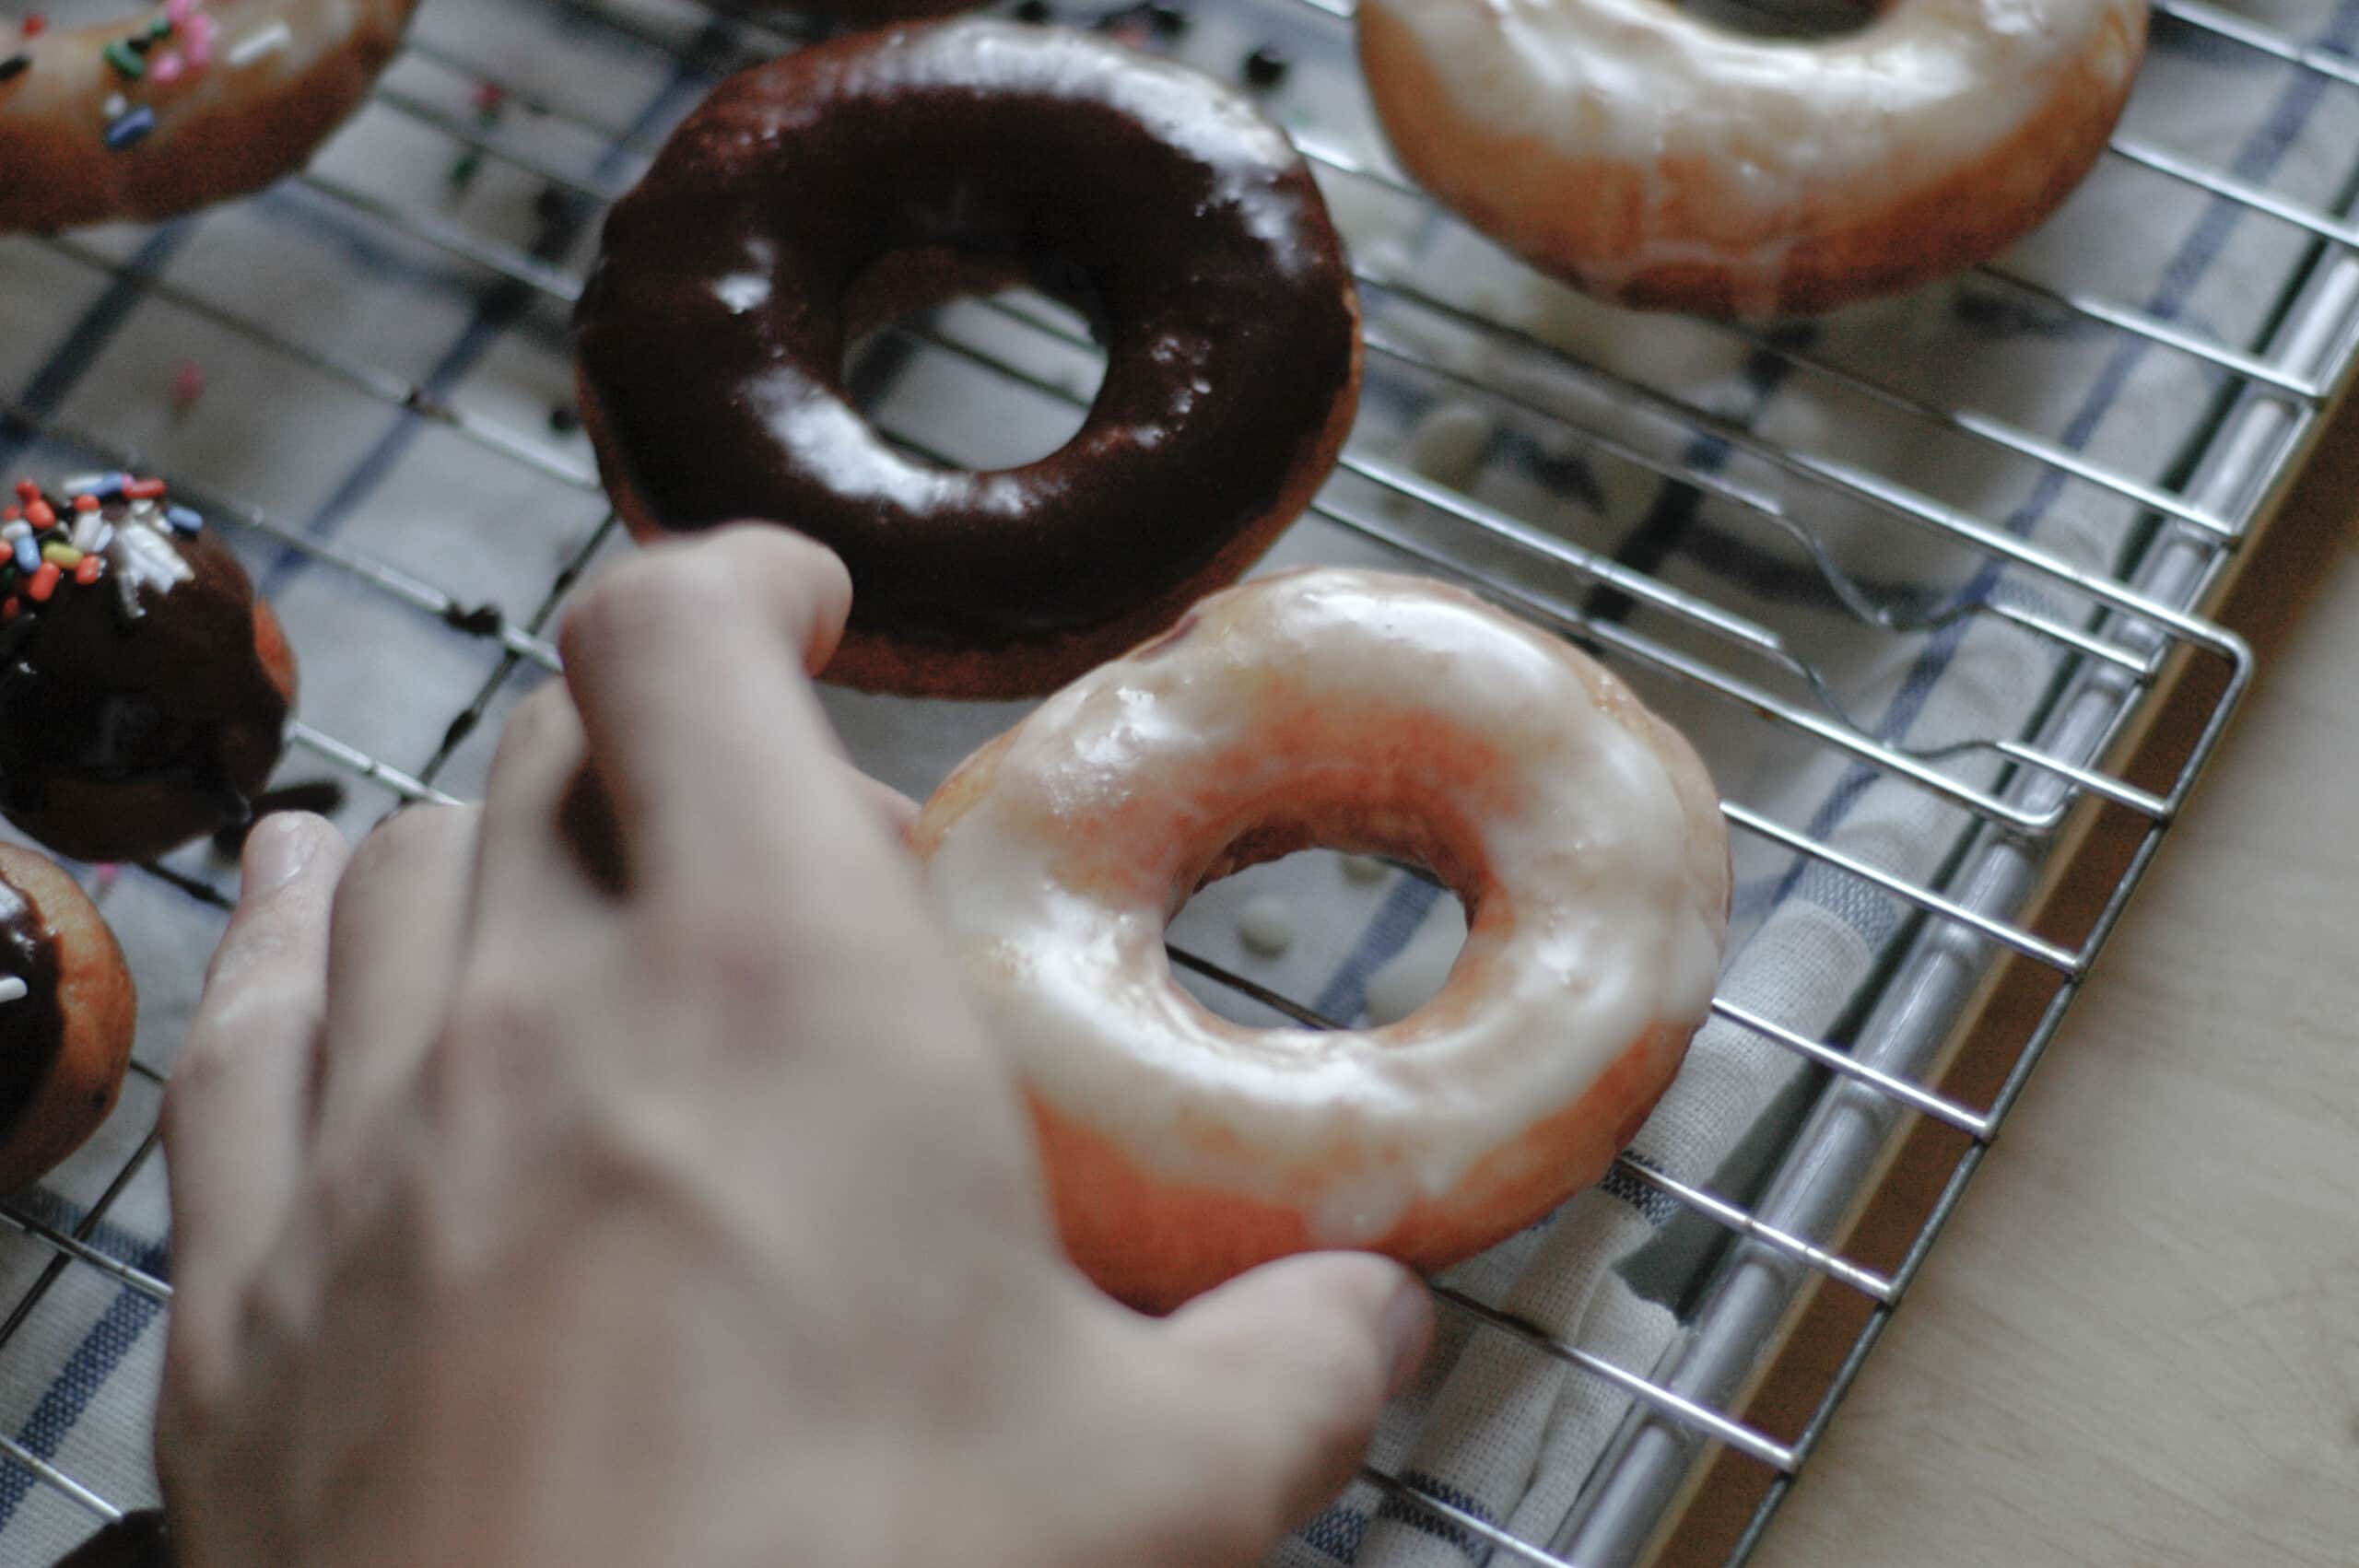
(144, 688)
(806, 193)
(67, 1009)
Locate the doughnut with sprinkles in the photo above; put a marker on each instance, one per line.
(144, 687)
(179, 105)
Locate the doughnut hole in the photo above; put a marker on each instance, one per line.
(1376, 935)
(897, 372)
(1786, 20)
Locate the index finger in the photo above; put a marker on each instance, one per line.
(237, 1114)
(687, 667)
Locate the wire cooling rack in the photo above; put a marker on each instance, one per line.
(422, 270)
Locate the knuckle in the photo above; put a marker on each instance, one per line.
(284, 830)
(496, 1017)
(195, 1089)
(654, 590)
(259, 1016)
(188, 1393)
(260, 1007)
(757, 570)
(544, 718)
(703, 950)
(403, 837)
(773, 558)
(492, 1006)
(346, 1195)
(539, 737)
(413, 837)
(199, 1071)
(273, 1310)
(271, 949)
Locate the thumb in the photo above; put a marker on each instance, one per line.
(1304, 1353)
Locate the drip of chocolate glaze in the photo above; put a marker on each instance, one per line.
(324, 796)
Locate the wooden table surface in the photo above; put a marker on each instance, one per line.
(2138, 1342)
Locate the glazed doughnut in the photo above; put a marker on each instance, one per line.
(1366, 712)
(144, 688)
(67, 1012)
(814, 193)
(176, 106)
(1655, 160)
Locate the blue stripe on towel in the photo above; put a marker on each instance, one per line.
(1404, 908)
(118, 1241)
(1476, 1549)
(1678, 506)
(1653, 1204)
(496, 311)
(107, 315)
(102, 1348)
(1337, 1531)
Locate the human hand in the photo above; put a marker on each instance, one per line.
(614, 1174)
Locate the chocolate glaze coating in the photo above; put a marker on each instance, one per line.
(32, 1027)
(66, 1042)
(136, 712)
(713, 331)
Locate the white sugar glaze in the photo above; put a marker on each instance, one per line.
(1737, 147)
(1600, 876)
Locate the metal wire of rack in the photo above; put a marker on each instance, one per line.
(2116, 631)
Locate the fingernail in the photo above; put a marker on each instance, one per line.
(1407, 1328)
(277, 852)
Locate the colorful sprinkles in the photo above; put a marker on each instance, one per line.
(133, 126)
(188, 385)
(45, 544)
(141, 58)
(253, 46)
(491, 102)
